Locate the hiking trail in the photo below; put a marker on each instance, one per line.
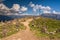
(24, 34)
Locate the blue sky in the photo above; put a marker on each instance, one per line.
(54, 4)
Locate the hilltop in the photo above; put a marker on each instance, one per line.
(35, 28)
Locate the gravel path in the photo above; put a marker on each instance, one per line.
(24, 34)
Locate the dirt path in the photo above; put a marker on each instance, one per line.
(23, 35)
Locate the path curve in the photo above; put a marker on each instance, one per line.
(24, 34)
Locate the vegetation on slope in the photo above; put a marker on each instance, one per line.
(45, 27)
(10, 27)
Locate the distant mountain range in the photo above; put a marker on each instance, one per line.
(11, 17)
(54, 16)
(9, 14)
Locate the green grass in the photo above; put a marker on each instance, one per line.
(8, 29)
(39, 25)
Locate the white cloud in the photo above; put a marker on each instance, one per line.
(16, 7)
(40, 6)
(19, 8)
(54, 12)
(15, 10)
(23, 9)
(2, 6)
(34, 9)
(48, 8)
(31, 4)
(37, 6)
(45, 9)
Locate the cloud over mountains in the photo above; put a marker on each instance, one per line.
(18, 9)
(23, 8)
(43, 9)
(15, 10)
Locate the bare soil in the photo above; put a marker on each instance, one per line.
(24, 34)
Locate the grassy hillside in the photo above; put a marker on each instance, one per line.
(45, 27)
(10, 27)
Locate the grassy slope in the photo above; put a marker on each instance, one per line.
(52, 27)
(9, 28)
